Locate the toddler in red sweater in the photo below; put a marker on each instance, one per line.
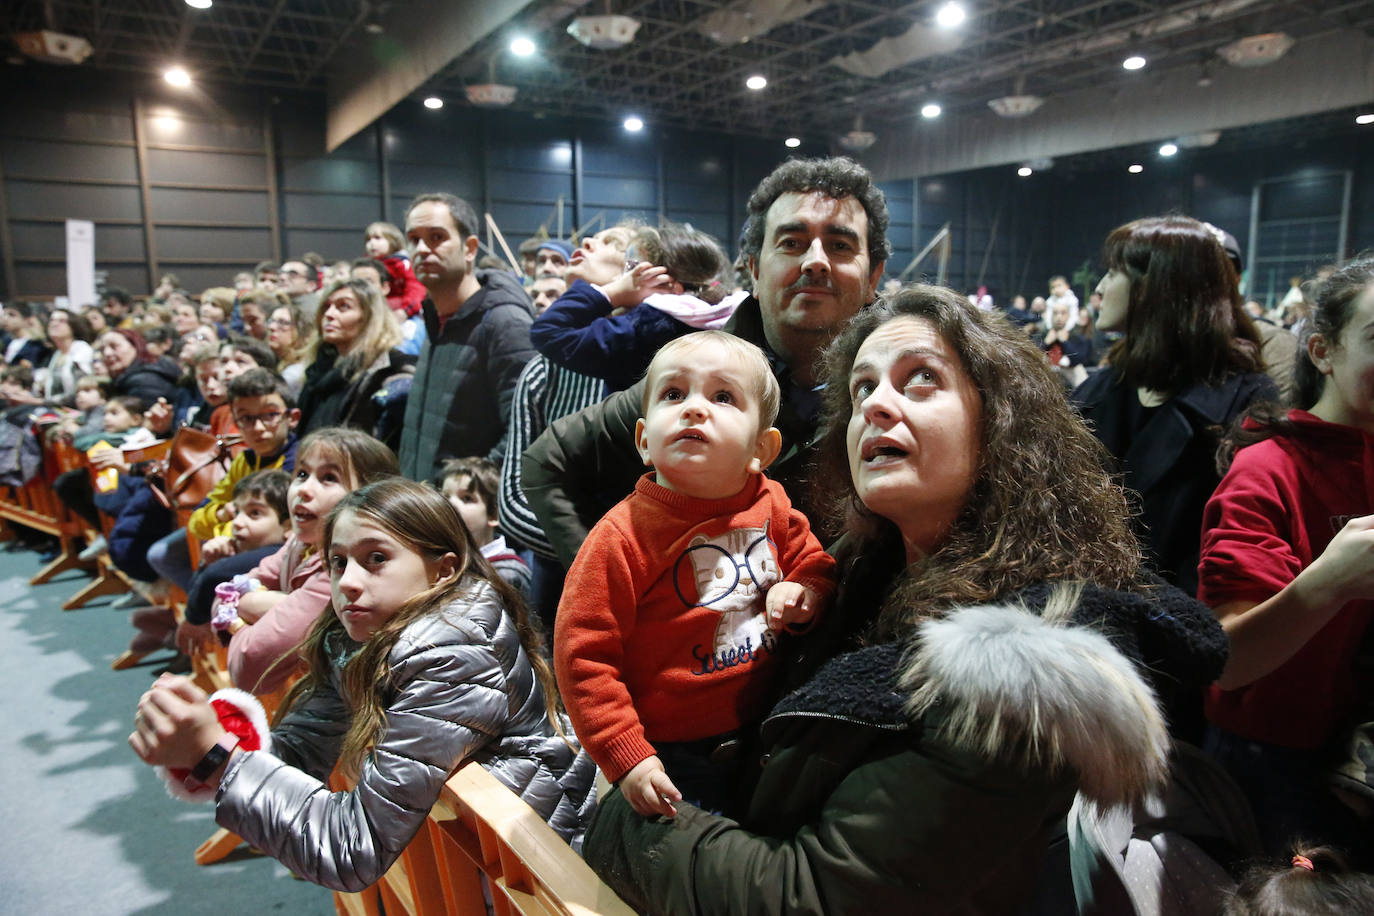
(666, 633)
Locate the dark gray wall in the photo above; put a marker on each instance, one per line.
(208, 183)
(1053, 221)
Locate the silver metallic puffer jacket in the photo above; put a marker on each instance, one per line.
(461, 688)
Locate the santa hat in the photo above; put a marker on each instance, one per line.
(241, 714)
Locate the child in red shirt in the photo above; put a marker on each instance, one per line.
(666, 632)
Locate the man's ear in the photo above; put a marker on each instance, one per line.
(642, 443)
(470, 245)
(754, 269)
(1320, 352)
(293, 416)
(766, 451)
(875, 275)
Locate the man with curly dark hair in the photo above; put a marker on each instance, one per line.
(815, 245)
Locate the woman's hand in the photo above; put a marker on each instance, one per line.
(175, 724)
(790, 605)
(634, 286)
(1345, 570)
(649, 790)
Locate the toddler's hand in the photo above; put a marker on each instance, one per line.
(635, 285)
(790, 605)
(216, 549)
(648, 789)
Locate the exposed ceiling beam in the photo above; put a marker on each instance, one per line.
(424, 36)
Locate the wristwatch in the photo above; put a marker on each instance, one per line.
(212, 760)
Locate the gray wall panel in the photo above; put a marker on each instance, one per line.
(683, 195)
(36, 159)
(331, 244)
(45, 240)
(29, 199)
(170, 126)
(411, 178)
(633, 192)
(352, 212)
(188, 242)
(527, 186)
(347, 175)
(191, 204)
(631, 161)
(73, 124)
(210, 169)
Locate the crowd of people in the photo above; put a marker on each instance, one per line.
(857, 600)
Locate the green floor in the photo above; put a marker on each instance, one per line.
(87, 828)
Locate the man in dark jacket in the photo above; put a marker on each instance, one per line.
(816, 242)
(478, 325)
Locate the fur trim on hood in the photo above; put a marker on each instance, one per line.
(1013, 684)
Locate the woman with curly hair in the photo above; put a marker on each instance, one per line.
(1187, 365)
(995, 648)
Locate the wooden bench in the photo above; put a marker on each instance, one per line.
(480, 832)
(35, 505)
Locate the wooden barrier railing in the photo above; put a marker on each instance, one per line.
(480, 835)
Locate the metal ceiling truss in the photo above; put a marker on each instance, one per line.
(674, 75)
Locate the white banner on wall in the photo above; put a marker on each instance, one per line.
(80, 261)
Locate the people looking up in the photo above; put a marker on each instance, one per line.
(300, 281)
(72, 356)
(399, 692)
(216, 305)
(1188, 363)
(931, 736)
(1284, 566)
(1062, 294)
(358, 376)
(816, 243)
(478, 329)
(24, 344)
(661, 655)
(612, 331)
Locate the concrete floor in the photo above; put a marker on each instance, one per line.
(85, 827)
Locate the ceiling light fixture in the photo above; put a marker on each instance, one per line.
(633, 124)
(931, 110)
(1168, 149)
(1364, 119)
(199, 4)
(950, 15)
(434, 103)
(756, 82)
(792, 142)
(177, 77)
(1134, 62)
(522, 47)
(1135, 169)
(1024, 171)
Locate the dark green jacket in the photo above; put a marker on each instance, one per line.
(929, 781)
(585, 463)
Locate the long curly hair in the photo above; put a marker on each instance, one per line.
(1041, 508)
(1185, 320)
(427, 523)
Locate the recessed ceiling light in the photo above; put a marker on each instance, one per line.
(950, 15)
(434, 103)
(374, 28)
(522, 47)
(633, 124)
(1024, 171)
(199, 4)
(1168, 149)
(792, 142)
(756, 82)
(1364, 119)
(177, 77)
(931, 110)
(1134, 62)
(1135, 169)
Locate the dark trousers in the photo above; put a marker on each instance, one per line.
(201, 595)
(75, 490)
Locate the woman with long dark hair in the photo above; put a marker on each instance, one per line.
(1187, 365)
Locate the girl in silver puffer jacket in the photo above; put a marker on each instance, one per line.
(424, 661)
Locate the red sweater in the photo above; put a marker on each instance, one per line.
(404, 291)
(660, 635)
(1282, 502)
